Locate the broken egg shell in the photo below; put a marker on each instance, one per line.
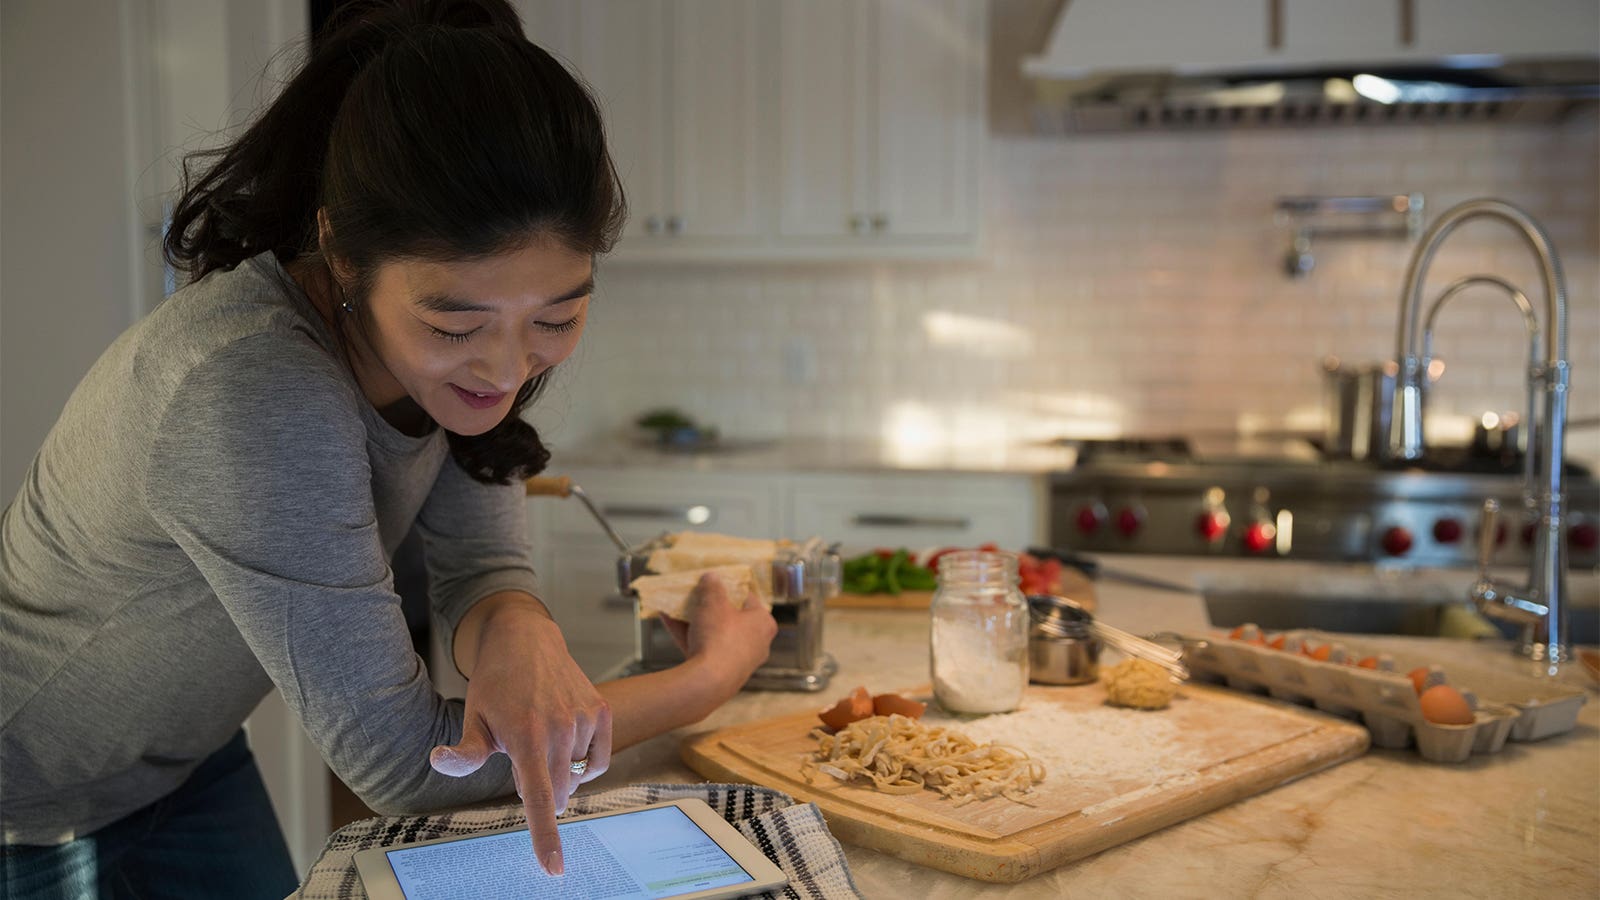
(853, 708)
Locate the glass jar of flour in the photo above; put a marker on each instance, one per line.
(979, 644)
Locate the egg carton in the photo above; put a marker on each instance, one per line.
(1505, 706)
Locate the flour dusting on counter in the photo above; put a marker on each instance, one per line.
(1101, 744)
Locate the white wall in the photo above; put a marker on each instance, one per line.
(98, 102)
(67, 257)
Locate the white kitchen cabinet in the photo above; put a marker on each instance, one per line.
(685, 93)
(894, 509)
(578, 581)
(1316, 32)
(685, 89)
(752, 130)
(1092, 36)
(882, 123)
(1525, 29)
(1100, 36)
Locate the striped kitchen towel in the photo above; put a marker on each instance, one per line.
(793, 836)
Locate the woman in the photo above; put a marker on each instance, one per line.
(388, 264)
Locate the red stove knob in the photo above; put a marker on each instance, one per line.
(1396, 541)
(1129, 520)
(1259, 537)
(1447, 531)
(1212, 525)
(1584, 536)
(1090, 518)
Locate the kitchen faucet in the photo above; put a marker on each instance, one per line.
(1540, 606)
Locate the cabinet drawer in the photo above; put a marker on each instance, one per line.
(917, 511)
(643, 505)
(579, 585)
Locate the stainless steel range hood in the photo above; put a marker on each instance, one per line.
(1129, 65)
(1370, 95)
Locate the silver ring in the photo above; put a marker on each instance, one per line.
(579, 766)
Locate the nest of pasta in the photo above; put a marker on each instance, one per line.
(900, 755)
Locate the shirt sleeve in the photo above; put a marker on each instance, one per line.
(474, 543)
(260, 473)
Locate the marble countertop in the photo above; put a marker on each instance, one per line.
(816, 455)
(1523, 822)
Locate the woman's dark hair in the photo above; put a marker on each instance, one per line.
(422, 129)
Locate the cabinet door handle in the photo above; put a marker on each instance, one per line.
(652, 224)
(692, 514)
(858, 223)
(880, 222)
(893, 520)
(674, 224)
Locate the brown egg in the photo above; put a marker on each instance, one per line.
(853, 708)
(1322, 653)
(1419, 677)
(1444, 705)
(1278, 642)
(1370, 662)
(894, 704)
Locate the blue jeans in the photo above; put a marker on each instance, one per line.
(215, 836)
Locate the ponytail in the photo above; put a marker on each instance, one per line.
(421, 129)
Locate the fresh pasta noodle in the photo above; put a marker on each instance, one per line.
(900, 755)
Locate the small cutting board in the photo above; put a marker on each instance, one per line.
(1229, 746)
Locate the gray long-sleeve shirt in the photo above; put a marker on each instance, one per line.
(214, 514)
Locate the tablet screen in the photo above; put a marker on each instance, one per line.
(647, 853)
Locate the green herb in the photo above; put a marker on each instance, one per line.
(664, 420)
(886, 573)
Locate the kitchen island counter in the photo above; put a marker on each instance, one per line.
(1523, 822)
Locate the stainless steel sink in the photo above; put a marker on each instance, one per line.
(1361, 614)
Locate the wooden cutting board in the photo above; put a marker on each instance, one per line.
(1230, 746)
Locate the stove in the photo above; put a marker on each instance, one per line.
(1280, 498)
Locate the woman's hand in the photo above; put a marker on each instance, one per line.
(526, 698)
(732, 642)
(721, 648)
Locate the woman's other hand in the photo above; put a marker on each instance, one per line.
(731, 641)
(528, 699)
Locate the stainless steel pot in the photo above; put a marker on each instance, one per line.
(1359, 405)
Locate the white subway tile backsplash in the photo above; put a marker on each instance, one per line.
(1133, 284)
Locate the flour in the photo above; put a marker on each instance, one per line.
(1097, 745)
(980, 663)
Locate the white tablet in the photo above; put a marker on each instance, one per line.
(681, 850)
